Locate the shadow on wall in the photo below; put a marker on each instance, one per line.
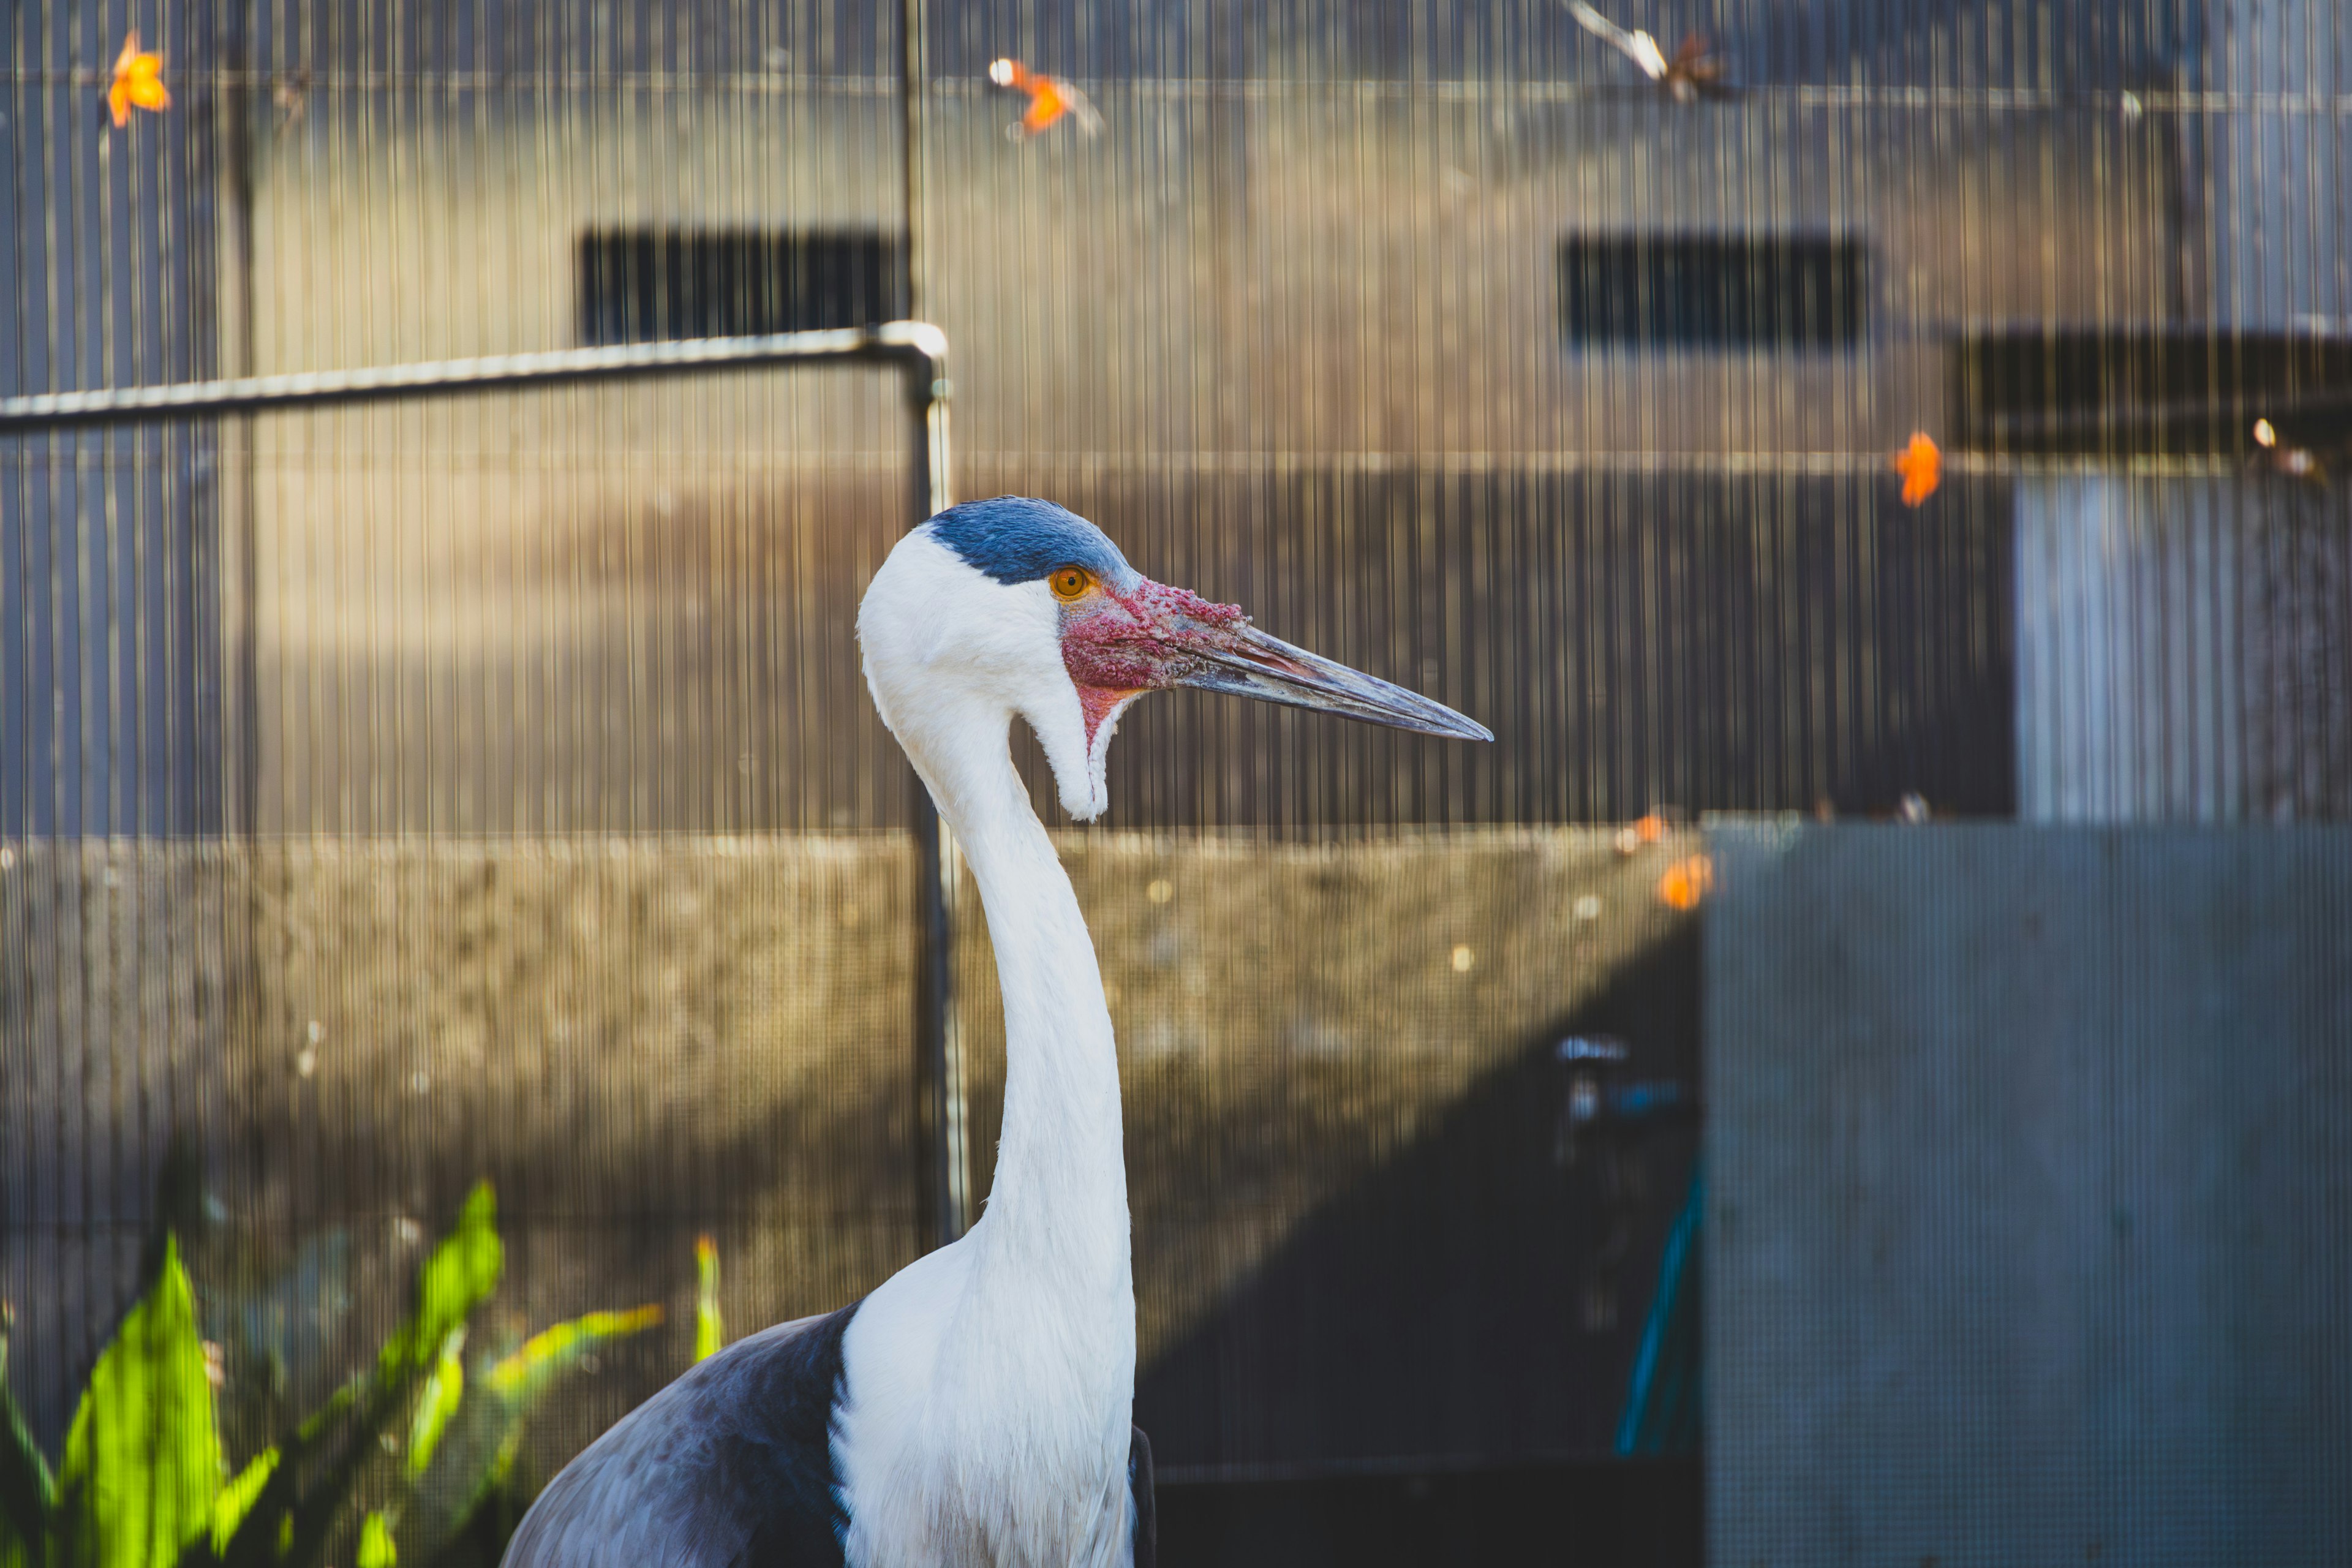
(1474, 1302)
(1627, 1513)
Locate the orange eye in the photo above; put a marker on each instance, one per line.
(1071, 581)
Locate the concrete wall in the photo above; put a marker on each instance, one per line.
(640, 1039)
(2029, 1179)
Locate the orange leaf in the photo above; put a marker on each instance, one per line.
(147, 91)
(1686, 882)
(1921, 464)
(137, 82)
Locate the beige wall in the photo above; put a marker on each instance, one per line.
(629, 607)
(1317, 268)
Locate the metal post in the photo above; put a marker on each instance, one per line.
(240, 507)
(911, 105)
(946, 1170)
(943, 1178)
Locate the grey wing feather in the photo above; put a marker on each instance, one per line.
(1143, 1551)
(1601, 26)
(731, 1464)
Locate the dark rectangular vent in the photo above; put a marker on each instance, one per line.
(642, 284)
(2162, 392)
(1741, 292)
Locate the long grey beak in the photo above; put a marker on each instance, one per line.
(1246, 662)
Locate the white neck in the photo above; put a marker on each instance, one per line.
(1057, 1214)
(990, 1383)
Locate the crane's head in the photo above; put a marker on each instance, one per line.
(1013, 605)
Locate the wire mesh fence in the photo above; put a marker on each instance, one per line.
(515, 746)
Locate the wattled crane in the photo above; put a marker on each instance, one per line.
(974, 1409)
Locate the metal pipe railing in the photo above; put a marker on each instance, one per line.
(919, 348)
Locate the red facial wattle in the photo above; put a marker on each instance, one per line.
(1118, 644)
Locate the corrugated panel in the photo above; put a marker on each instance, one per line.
(2029, 1202)
(1291, 326)
(2184, 650)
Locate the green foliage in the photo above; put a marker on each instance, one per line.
(140, 1483)
(27, 1493)
(478, 1447)
(236, 1498)
(459, 1276)
(376, 1550)
(339, 1404)
(709, 1331)
(142, 1460)
(302, 1500)
(445, 1389)
(522, 1377)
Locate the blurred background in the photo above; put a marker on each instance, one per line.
(1882, 481)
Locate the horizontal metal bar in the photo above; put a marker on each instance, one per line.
(916, 344)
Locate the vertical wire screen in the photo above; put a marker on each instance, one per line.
(395, 796)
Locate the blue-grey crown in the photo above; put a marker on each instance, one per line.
(1018, 539)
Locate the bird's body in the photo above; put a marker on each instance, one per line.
(974, 1408)
(728, 1464)
(1685, 76)
(735, 1462)
(1051, 99)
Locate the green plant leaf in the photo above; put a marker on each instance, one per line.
(253, 1540)
(709, 1329)
(236, 1498)
(478, 1449)
(12, 1552)
(520, 1378)
(27, 1494)
(339, 1404)
(142, 1459)
(459, 1276)
(439, 1402)
(376, 1550)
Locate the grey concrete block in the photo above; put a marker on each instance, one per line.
(2030, 1232)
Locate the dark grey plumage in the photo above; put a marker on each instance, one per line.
(1147, 1507)
(731, 1464)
